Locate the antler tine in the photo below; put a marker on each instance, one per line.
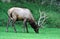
(39, 18)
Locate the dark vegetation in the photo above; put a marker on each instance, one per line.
(52, 11)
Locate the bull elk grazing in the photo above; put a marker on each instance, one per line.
(22, 14)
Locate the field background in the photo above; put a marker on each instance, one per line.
(46, 33)
(51, 28)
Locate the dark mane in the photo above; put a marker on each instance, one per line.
(34, 25)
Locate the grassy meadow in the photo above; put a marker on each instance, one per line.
(46, 33)
(51, 29)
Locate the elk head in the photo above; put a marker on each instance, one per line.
(40, 22)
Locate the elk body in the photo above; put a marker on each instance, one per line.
(22, 14)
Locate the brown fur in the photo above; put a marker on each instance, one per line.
(15, 17)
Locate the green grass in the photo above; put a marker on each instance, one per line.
(46, 33)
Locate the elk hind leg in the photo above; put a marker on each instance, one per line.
(8, 22)
(13, 22)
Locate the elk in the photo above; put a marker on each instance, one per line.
(22, 14)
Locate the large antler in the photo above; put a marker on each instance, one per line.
(42, 19)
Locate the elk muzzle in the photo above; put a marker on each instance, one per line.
(36, 30)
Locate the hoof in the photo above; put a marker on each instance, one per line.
(15, 31)
(6, 30)
(27, 32)
(36, 32)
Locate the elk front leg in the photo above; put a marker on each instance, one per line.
(8, 22)
(25, 25)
